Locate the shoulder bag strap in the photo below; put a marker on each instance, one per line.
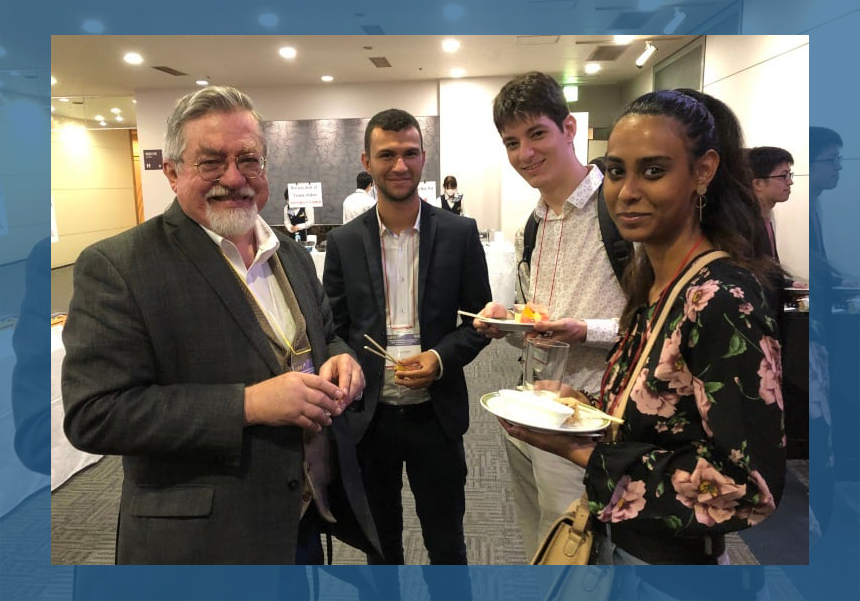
(694, 268)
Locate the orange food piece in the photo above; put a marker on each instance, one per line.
(533, 314)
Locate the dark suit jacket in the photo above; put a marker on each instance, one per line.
(160, 344)
(452, 275)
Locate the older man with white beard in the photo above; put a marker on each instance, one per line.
(200, 347)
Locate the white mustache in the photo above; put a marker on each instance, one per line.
(219, 190)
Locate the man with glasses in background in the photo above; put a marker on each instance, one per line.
(200, 346)
(772, 181)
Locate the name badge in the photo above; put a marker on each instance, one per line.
(402, 344)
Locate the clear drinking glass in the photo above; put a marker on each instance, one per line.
(543, 368)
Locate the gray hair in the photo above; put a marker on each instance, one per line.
(211, 99)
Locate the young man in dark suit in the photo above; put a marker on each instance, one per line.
(399, 273)
(200, 347)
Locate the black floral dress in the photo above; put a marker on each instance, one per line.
(702, 448)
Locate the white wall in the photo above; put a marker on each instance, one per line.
(344, 101)
(92, 187)
(764, 79)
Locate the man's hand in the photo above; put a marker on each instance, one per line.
(293, 398)
(417, 371)
(569, 330)
(494, 311)
(344, 371)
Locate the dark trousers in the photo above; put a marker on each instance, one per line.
(436, 468)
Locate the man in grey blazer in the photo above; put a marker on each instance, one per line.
(200, 347)
(399, 273)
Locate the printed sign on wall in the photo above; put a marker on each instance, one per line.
(427, 191)
(305, 194)
(152, 159)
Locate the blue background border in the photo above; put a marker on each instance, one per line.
(25, 29)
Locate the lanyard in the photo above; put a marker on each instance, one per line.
(414, 296)
(273, 321)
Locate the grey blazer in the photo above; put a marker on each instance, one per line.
(160, 344)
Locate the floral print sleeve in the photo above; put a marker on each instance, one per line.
(702, 449)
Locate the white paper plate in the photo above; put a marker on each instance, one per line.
(496, 404)
(508, 325)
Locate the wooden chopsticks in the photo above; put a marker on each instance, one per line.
(594, 410)
(380, 350)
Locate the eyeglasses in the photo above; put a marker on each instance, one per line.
(834, 161)
(249, 165)
(786, 177)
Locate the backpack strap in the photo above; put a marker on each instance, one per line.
(529, 238)
(618, 250)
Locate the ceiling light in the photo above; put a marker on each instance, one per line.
(623, 39)
(52, 108)
(63, 99)
(102, 123)
(327, 78)
(571, 92)
(287, 52)
(115, 111)
(133, 58)
(450, 45)
(672, 25)
(99, 118)
(457, 72)
(53, 80)
(119, 117)
(592, 68)
(650, 49)
(202, 82)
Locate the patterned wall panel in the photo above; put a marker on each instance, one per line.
(327, 151)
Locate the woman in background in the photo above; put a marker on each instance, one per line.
(701, 452)
(451, 199)
(297, 220)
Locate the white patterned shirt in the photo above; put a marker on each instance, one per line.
(571, 275)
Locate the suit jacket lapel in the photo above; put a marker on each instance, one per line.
(373, 253)
(209, 261)
(425, 249)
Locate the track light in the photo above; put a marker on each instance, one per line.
(650, 49)
(672, 25)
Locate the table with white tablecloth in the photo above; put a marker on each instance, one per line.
(66, 460)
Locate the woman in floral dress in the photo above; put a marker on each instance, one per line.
(702, 450)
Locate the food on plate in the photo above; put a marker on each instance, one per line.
(532, 313)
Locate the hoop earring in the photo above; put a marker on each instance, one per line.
(701, 203)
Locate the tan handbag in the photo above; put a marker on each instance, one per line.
(570, 538)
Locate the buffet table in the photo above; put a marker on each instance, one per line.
(66, 460)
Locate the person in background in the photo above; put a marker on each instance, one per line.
(772, 181)
(701, 451)
(297, 220)
(450, 199)
(359, 201)
(570, 274)
(200, 346)
(399, 274)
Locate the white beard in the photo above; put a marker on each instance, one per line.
(231, 222)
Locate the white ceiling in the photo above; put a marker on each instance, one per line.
(90, 71)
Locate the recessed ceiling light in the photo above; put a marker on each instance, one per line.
(457, 72)
(119, 117)
(202, 82)
(134, 100)
(115, 111)
(99, 118)
(102, 123)
(592, 68)
(63, 99)
(450, 45)
(53, 80)
(287, 52)
(327, 78)
(133, 58)
(623, 39)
